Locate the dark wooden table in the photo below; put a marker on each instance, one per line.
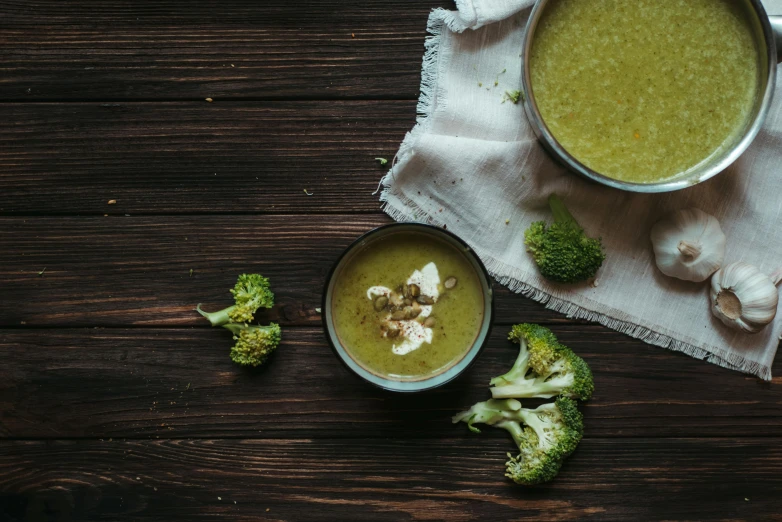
(118, 402)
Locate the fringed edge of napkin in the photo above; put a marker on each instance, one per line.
(616, 322)
(427, 104)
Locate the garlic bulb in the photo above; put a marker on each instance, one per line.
(688, 244)
(743, 297)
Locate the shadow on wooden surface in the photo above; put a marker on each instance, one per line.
(168, 50)
(194, 158)
(122, 271)
(178, 383)
(105, 101)
(455, 479)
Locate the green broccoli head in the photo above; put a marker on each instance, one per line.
(531, 467)
(544, 368)
(539, 339)
(570, 372)
(545, 436)
(534, 341)
(250, 292)
(254, 344)
(558, 425)
(552, 433)
(562, 251)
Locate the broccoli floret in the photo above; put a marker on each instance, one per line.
(251, 292)
(254, 344)
(545, 436)
(544, 368)
(562, 251)
(552, 433)
(514, 96)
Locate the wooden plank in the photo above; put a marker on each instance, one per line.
(170, 50)
(457, 479)
(180, 383)
(191, 158)
(119, 271)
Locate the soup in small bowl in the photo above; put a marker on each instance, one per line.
(408, 307)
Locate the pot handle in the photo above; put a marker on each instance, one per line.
(776, 27)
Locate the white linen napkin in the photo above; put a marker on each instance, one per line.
(473, 164)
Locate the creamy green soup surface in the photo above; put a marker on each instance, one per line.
(640, 90)
(417, 338)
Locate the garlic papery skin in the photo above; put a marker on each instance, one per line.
(743, 297)
(688, 244)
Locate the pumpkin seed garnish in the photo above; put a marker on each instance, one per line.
(399, 315)
(425, 300)
(381, 303)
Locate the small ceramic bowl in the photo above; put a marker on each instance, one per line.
(428, 382)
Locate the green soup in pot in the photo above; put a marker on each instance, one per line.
(642, 90)
(378, 335)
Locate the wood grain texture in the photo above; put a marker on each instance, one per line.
(120, 271)
(458, 479)
(118, 402)
(192, 158)
(177, 383)
(174, 51)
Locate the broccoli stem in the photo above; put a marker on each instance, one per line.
(488, 412)
(534, 388)
(560, 211)
(519, 369)
(218, 318)
(514, 428)
(236, 329)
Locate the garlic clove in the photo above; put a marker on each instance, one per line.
(743, 297)
(688, 244)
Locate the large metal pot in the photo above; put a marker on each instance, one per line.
(771, 27)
